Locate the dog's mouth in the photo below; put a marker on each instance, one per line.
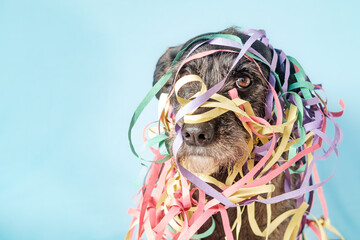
(207, 154)
(211, 159)
(200, 164)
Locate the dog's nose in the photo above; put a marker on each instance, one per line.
(200, 134)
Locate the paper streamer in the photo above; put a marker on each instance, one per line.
(172, 202)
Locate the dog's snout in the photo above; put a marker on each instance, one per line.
(200, 134)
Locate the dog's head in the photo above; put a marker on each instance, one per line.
(211, 146)
(234, 98)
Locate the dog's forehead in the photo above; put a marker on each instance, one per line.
(258, 46)
(214, 68)
(217, 65)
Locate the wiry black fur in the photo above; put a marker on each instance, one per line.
(229, 143)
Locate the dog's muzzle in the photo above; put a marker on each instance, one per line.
(200, 134)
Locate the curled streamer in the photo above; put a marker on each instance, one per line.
(293, 128)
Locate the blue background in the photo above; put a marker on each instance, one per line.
(72, 73)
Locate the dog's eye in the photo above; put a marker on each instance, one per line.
(243, 82)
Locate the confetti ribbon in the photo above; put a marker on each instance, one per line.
(173, 202)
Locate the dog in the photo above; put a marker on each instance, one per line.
(214, 146)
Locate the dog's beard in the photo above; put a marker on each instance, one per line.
(209, 160)
(229, 147)
(200, 164)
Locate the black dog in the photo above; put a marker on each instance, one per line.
(214, 146)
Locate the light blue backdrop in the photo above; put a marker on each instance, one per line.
(72, 73)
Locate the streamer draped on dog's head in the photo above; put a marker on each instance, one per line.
(238, 114)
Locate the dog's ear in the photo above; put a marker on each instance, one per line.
(163, 65)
